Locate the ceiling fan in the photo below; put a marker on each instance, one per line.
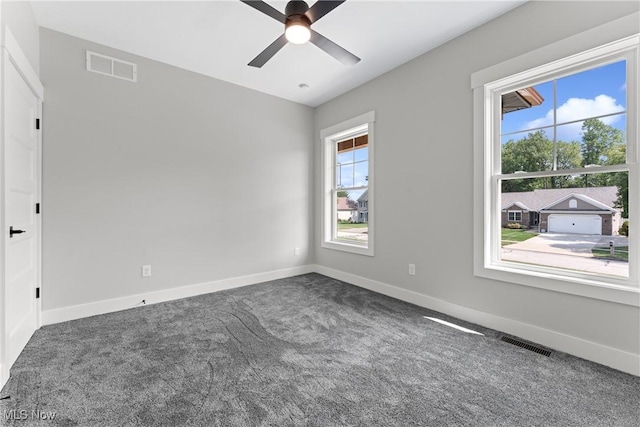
(297, 21)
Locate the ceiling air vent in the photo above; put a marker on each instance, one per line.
(110, 66)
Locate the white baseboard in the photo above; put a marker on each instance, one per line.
(116, 304)
(604, 355)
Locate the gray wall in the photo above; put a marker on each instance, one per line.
(205, 180)
(202, 179)
(19, 17)
(424, 171)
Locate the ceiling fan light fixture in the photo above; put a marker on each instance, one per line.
(297, 19)
(297, 31)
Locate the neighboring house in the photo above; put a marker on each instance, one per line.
(347, 209)
(564, 210)
(363, 207)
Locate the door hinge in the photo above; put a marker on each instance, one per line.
(37, 123)
(37, 293)
(37, 208)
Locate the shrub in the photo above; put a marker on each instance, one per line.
(624, 229)
(515, 226)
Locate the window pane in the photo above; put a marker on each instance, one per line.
(593, 142)
(344, 174)
(352, 216)
(527, 109)
(584, 123)
(361, 174)
(592, 93)
(570, 222)
(601, 142)
(345, 157)
(527, 151)
(351, 162)
(361, 154)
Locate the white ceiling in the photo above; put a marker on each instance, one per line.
(219, 38)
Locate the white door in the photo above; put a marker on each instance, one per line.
(576, 224)
(22, 239)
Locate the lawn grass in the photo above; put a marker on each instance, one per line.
(510, 236)
(621, 253)
(345, 225)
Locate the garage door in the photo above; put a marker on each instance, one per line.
(577, 224)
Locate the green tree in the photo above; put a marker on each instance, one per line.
(597, 141)
(529, 154)
(567, 157)
(601, 144)
(535, 153)
(343, 193)
(621, 180)
(617, 155)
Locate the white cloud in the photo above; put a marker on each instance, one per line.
(577, 109)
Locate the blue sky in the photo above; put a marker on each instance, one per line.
(352, 168)
(586, 94)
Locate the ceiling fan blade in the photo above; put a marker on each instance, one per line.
(321, 8)
(340, 53)
(267, 10)
(268, 53)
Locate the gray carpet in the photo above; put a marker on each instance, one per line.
(308, 350)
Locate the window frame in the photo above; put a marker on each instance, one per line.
(329, 137)
(515, 215)
(524, 71)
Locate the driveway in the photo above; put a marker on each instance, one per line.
(568, 244)
(571, 251)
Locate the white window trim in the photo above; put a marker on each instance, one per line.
(328, 137)
(559, 57)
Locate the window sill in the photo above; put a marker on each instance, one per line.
(620, 291)
(348, 247)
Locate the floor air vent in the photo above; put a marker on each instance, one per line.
(113, 67)
(526, 346)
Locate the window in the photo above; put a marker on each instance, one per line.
(515, 215)
(348, 185)
(561, 138)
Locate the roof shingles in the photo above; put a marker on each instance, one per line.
(346, 204)
(538, 199)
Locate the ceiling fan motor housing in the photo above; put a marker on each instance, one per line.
(296, 7)
(295, 12)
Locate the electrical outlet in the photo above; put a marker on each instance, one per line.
(296, 251)
(146, 271)
(412, 269)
